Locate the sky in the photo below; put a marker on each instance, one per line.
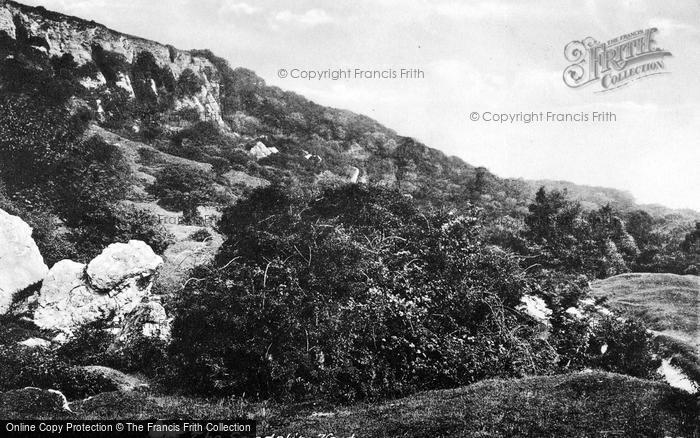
(475, 56)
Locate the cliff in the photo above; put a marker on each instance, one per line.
(58, 34)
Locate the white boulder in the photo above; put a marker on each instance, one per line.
(108, 289)
(35, 343)
(21, 264)
(120, 262)
(535, 307)
(260, 151)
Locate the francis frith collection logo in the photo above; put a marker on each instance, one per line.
(615, 63)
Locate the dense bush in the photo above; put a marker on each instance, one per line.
(201, 235)
(609, 344)
(352, 294)
(92, 345)
(91, 176)
(189, 84)
(183, 188)
(201, 134)
(21, 367)
(117, 223)
(24, 366)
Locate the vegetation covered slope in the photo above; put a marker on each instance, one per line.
(667, 303)
(576, 405)
(409, 280)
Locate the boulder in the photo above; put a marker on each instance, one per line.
(32, 402)
(109, 289)
(21, 264)
(536, 308)
(261, 151)
(35, 343)
(120, 262)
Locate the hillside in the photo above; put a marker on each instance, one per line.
(668, 303)
(308, 143)
(180, 239)
(577, 405)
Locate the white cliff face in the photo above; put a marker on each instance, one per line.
(6, 22)
(78, 37)
(21, 264)
(114, 288)
(124, 82)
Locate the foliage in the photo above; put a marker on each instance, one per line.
(375, 298)
(91, 174)
(201, 235)
(562, 236)
(189, 84)
(627, 346)
(184, 188)
(93, 345)
(22, 366)
(118, 223)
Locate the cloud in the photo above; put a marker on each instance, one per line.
(473, 10)
(312, 17)
(671, 26)
(241, 8)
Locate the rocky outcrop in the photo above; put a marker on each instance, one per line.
(21, 263)
(260, 151)
(64, 34)
(114, 289)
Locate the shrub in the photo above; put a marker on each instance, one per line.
(91, 345)
(189, 84)
(91, 176)
(183, 188)
(201, 235)
(202, 133)
(21, 367)
(118, 223)
(148, 156)
(351, 294)
(627, 348)
(219, 165)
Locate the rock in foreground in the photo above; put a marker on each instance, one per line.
(114, 288)
(21, 263)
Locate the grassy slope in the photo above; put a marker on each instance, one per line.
(667, 303)
(577, 405)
